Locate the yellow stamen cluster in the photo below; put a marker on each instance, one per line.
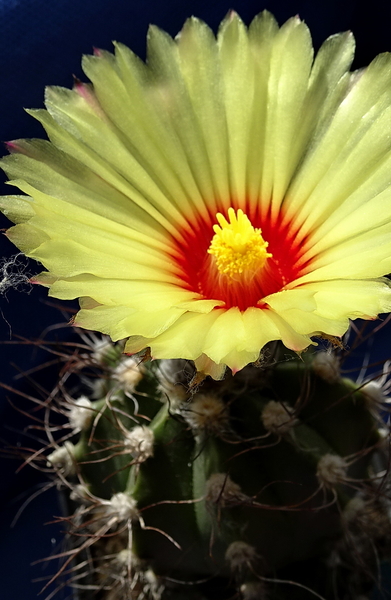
(237, 246)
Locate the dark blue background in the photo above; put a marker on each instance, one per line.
(41, 43)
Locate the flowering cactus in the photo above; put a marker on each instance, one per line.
(215, 209)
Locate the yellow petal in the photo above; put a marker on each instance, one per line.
(145, 160)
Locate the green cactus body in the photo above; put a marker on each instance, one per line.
(235, 482)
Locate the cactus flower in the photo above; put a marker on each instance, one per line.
(229, 192)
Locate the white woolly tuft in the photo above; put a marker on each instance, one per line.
(206, 413)
(354, 507)
(79, 493)
(129, 373)
(221, 490)
(80, 414)
(62, 459)
(240, 554)
(122, 506)
(139, 442)
(326, 365)
(331, 470)
(277, 418)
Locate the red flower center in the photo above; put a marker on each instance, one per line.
(242, 260)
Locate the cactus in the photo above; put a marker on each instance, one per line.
(267, 484)
(225, 200)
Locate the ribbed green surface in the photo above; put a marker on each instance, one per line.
(281, 511)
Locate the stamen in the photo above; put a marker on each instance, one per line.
(238, 248)
(232, 262)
